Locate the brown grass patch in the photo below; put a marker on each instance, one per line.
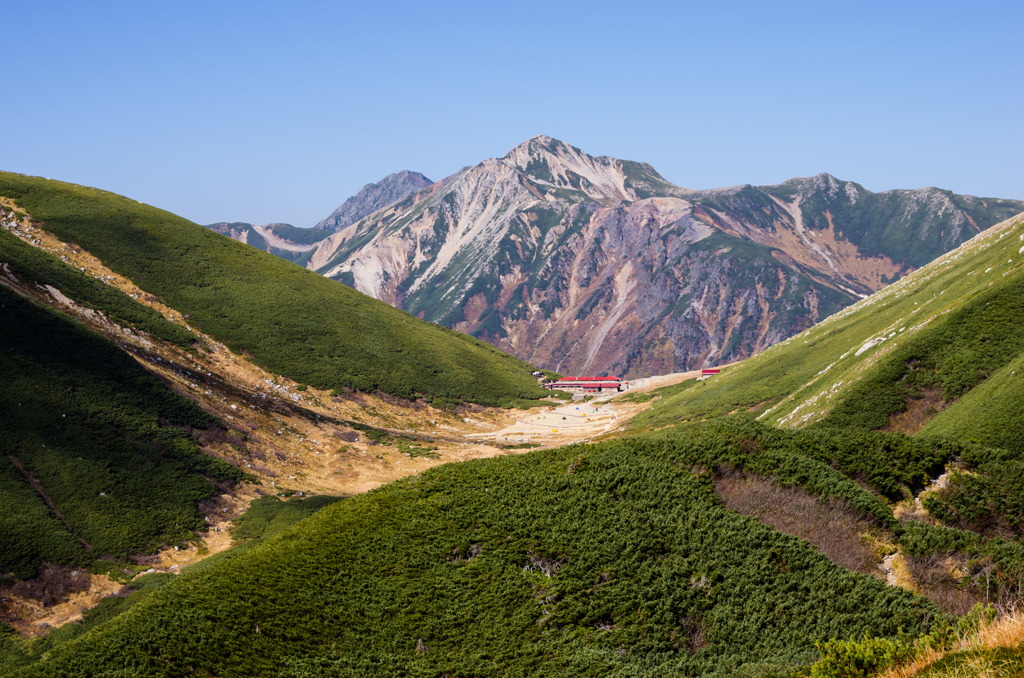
(830, 526)
(918, 412)
(52, 584)
(940, 578)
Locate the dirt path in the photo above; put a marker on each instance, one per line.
(579, 422)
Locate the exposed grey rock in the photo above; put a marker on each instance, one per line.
(586, 264)
(372, 197)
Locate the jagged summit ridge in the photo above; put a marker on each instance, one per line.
(577, 262)
(372, 197)
(550, 162)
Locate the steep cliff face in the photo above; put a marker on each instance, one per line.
(372, 197)
(594, 264)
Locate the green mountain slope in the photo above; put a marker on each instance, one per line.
(291, 320)
(37, 267)
(605, 560)
(96, 457)
(925, 341)
(938, 355)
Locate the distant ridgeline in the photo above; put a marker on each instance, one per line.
(292, 321)
(595, 265)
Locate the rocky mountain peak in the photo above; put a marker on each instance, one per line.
(822, 187)
(549, 162)
(372, 197)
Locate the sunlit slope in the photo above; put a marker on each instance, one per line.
(293, 321)
(603, 560)
(992, 413)
(928, 340)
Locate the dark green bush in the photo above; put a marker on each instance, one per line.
(36, 265)
(592, 560)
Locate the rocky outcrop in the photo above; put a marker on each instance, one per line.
(372, 197)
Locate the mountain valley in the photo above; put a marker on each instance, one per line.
(274, 474)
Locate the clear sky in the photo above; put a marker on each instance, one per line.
(264, 112)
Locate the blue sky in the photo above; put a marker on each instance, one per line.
(268, 112)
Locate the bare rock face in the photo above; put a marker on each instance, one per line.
(372, 197)
(588, 264)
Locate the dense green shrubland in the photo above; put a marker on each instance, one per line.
(611, 559)
(986, 495)
(990, 502)
(269, 515)
(791, 459)
(999, 561)
(265, 517)
(30, 533)
(107, 442)
(868, 656)
(293, 321)
(892, 464)
(36, 265)
(16, 652)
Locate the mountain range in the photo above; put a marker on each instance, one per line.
(586, 264)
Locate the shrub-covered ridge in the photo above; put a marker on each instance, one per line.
(612, 559)
(293, 321)
(87, 428)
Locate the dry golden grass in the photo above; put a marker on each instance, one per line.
(1007, 632)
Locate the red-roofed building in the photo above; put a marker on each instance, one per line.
(587, 385)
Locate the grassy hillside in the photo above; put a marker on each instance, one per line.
(291, 320)
(266, 517)
(35, 265)
(948, 326)
(613, 559)
(96, 457)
